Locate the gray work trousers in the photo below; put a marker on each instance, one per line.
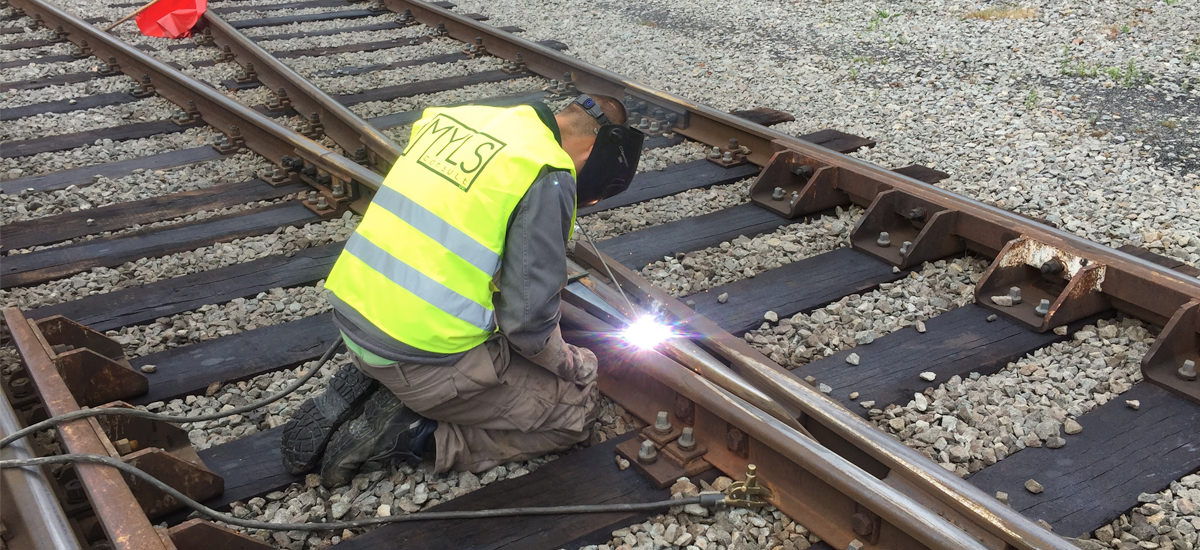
(493, 406)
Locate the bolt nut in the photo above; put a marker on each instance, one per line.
(1015, 293)
(322, 204)
(662, 423)
(905, 247)
(687, 439)
(727, 157)
(715, 153)
(1042, 308)
(1188, 370)
(648, 453)
(884, 239)
(20, 387)
(777, 194)
(312, 197)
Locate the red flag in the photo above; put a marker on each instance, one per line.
(171, 18)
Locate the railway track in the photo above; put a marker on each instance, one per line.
(186, 254)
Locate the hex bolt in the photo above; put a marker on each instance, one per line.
(777, 194)
(648, 453)
(1051, 267)
(727, 157)
(75, 493)
(915, 214)
(662, 423)
(687, 439)
(1188, 370)
(1014, 292)
(795, 197)
(20, 387)
(338, 190)
(904, 247)
(654, 126)
(1042, 308)
(312, 197)
(322, 204)
(715, 153)
(733, 143)
(884, 239)
(644, 123)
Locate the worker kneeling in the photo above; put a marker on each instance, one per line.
(447, 294)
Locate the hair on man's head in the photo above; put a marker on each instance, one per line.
(578, 121)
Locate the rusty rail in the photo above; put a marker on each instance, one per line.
(118, 511)
(354, 135)
(243, 126)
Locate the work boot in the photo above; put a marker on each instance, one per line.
(386, 431)
(305, 436)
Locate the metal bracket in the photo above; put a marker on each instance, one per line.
(516, 66)
(1166, 364)
(1047, 286)
(164, 451)
(225, 55)
(748, 493)
(279, 101)
(197, 534)
(732, 155)
(144, 87)
(92, 365)
(793, 185)
(82, 50)
(652, 117)
(110, 68)
(231, 142)
(904, 230)
(312, 127)
(246, 75)
(476, 49)
(188, 116)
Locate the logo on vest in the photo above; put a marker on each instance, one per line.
(453, 150)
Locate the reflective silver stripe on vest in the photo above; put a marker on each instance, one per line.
(453, 238)
(425, 288)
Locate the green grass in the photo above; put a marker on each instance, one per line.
(879, 18)
(1128, 75)
(1031, 100)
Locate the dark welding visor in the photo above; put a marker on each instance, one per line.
(612, 164)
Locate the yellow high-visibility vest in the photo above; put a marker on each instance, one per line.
(420, 265)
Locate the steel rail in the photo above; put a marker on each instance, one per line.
(260, 133)
(28, 495)
(1136, 286)
(118, 511)
(346, 129)
(918, 472)
(840, 483)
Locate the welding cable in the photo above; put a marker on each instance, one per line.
(139, 413)
(704, 499)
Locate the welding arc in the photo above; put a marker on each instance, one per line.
(86, 413)
(707, 499)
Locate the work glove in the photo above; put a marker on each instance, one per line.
(571, 363)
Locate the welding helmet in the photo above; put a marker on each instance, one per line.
(613, 160)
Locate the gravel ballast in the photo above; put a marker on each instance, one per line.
(1084, 116)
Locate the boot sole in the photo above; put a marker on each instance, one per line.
(310, 429)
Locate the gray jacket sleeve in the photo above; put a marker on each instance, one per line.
(533, 270)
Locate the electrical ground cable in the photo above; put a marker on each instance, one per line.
(706, 499)
(86, 413)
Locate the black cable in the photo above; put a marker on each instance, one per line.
(86, 413)
(707, 499)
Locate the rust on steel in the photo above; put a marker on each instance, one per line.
(346, 129)
(836, 427)
(809, 482)
(118, 511)
(1132, 285)
(258, 132)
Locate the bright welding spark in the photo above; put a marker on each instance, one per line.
(647, 332)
